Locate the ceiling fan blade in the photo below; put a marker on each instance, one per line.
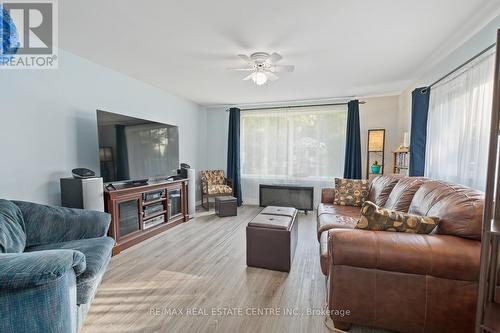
(274, 58)
(282, 68)
(240, 69)
(271, 76)
(246, 78)
(246, 58)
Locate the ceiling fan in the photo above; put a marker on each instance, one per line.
(263, 67)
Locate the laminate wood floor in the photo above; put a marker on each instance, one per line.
(193, 278)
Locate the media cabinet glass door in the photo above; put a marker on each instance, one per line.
(174, 202)
(129, 211)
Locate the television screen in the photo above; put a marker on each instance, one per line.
(132, 149)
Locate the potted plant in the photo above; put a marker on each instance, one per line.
(375, 168)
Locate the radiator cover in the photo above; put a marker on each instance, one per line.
(299, 197)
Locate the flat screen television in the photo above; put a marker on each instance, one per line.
(136, 150)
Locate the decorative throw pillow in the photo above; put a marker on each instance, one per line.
(12, 229)
(381, 219)
(350, 192)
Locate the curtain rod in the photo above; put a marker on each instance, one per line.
(464, 64)
(294, 106)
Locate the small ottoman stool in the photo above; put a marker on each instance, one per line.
(272, 238)
(225, 206)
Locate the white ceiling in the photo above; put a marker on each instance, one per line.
(339, 47)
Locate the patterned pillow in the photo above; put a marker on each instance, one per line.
(350, 192)
(381, 219)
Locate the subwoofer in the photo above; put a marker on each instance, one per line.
(84, 193)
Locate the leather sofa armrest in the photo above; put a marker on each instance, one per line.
(327, 195)
(436, 255)
(33, 269)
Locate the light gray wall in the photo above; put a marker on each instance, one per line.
(475, 44)
(380, 113)
(217, 132)
(48, 123)
(478, 42)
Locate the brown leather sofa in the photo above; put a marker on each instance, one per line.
(398, 281)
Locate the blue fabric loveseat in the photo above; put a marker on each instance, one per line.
(51, 261)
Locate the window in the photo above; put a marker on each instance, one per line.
(458, 125)
(298, 145)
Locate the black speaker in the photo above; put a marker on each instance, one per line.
(183, 171)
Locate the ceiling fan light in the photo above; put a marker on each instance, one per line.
(259, 78)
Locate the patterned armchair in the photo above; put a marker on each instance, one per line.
(214, 184)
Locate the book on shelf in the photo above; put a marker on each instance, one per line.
(402, 160)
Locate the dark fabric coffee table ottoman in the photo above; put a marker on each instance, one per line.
(272, 238)
(226, 206)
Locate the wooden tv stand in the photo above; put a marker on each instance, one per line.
(127, 205)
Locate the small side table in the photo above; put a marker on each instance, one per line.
(225, 206)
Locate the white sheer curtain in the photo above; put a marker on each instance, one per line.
(459, 123)
(300, 146)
